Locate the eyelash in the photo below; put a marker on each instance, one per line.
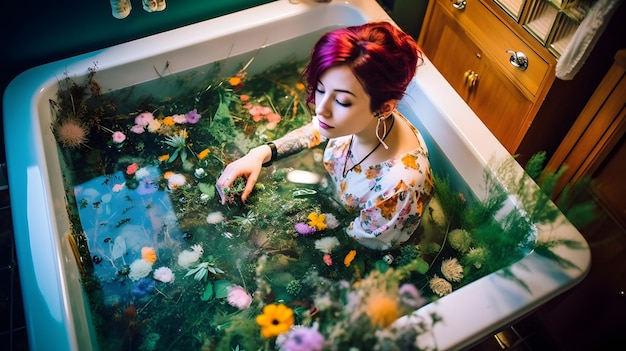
(347, 104)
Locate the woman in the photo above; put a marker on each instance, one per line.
(376, 158)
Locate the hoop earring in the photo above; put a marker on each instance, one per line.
(381, 139)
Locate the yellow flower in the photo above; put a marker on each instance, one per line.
(299, 86)
(164, 158)
(169, 121)
(317, 221)
(275, 320)
(349, 258)
(382, 309)
(203, 154)
(168, 174)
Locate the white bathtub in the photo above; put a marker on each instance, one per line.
(56, 309)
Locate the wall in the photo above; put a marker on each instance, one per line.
(35, 32)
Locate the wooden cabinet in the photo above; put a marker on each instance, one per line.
(475, 46)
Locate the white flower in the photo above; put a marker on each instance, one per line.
(175, 181)
(215, 217)
(460, 239)
(452, 269)
(331, 221)
(326, 244)
(164, 274)
(140, 268)
(188, 257)
(440, 286)
(142, 173)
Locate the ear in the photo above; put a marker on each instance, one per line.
(388, 107)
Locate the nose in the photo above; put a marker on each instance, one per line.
(321, 106)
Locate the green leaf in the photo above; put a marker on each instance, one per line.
(207, 189)
(221, 288)
(208, 292)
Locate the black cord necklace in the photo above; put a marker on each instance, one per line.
(349, 154)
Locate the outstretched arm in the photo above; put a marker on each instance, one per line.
(250, 165)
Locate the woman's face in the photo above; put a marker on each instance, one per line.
(341, 104)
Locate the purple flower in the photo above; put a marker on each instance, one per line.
(143, 287)
(303, 339)
(147, 186)
(192, 116)
(304, 229)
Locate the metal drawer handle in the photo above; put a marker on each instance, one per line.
(459, 4)
(518, 59)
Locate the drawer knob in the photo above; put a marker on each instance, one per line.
(518, 59)
(459, 4)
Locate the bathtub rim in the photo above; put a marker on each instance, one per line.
(429, 84)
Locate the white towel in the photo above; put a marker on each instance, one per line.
(585, 38)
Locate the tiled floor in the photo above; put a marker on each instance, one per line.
(523, 336)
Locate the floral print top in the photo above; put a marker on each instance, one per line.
(387, 198)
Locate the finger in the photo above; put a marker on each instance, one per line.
(252, 178)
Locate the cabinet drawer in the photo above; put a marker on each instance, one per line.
(494, 38)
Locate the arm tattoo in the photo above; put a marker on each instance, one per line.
(297, 140)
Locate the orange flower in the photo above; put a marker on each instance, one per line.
(169, 121)
(234, 81)
(244, 97)
(317, 221)
(382, 309)
(275, 320)
(349, 258)
(148, 254)
(203, 154)
(299, 86)
(410, 162)
(168, 174)
(164, 158)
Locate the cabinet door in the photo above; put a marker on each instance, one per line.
(492, 96)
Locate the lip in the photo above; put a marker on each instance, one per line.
(324, 125)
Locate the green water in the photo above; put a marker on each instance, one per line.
(123, 200)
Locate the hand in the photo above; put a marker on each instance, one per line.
(249, 167)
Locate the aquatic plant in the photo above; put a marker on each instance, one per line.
(203, 269)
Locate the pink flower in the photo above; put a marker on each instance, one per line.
(164, 274)
(137, 129)
(328, 260)
(304, 229)
(144, 118)
(132, 168)
(303, 339)
(273, 117)
(179, 119)
(238, 297)
(118, 137)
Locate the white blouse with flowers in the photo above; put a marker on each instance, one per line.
(388, 198)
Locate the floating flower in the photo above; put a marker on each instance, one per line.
(476, 256)
(331, 221)
(244, 97)
(410, 296)
(148, 254)
(143, 287)
(179, 119)
(199, 173)
(118, 187)
(203, 154)
(140, 268)
(192, 116)
(168, 174)
(164, 158)
(188, 257)
(144, 118)
(137, 129)
(234, 81)
(300, 86)
(238, 297)
(154, 126)
(452, 269)
(118, 137)
(302, 339)
(132, 168)
(275, 320)
(317, 220)
(164, 274)
(176, 181)
(142, 173)
(327, 244)
(304, 229)
(168, 121)
(440, 286)
(215, 217)
(460, 239)
(71, 134)
(382, 309)
(349, 258)
(328, 260)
